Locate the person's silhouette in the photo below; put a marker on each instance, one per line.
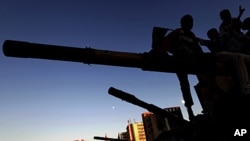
(227, 19)
(182, 42)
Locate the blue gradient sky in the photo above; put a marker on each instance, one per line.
(43, 100)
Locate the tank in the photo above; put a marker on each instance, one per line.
(219, 94)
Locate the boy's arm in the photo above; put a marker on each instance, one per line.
(241, 11)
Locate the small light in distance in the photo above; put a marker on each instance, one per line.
(182, 101)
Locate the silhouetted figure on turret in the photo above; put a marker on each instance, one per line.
(221, 47)
(231, 27)
(246, 26)
(182, 42)
(216, 43)
(245, 38)
(227, 19)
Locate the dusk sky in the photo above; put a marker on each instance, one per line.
(45, 100)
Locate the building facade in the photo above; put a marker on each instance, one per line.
(154, 125)
(136, 131)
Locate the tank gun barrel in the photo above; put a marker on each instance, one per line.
(150, 107)
(63, 53)
(145, 61)
(108, 139)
